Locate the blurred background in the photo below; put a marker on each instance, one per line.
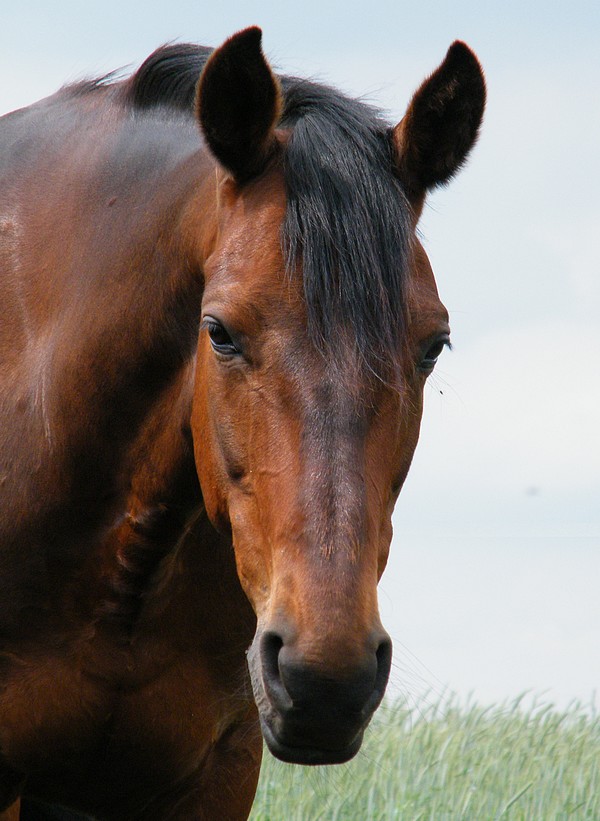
(493, 586)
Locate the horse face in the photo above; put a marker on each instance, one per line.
(301, 459)
(301, 455)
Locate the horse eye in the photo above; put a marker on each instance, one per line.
(220, 340)
(433, 353)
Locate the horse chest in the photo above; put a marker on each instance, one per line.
(145, 703)
(153, 726)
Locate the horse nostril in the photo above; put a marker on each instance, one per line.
(270, 647)
(384, 663)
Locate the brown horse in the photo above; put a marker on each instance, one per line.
(216, 326)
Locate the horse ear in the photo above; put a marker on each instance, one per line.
(441, 125)
(238, 103)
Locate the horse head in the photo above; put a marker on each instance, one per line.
(320, 324)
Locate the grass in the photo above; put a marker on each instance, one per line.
(450, 761)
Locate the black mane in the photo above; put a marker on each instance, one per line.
(168, 77)
(347, 218)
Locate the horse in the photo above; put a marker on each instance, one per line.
(217, 323)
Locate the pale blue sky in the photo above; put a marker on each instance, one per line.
(495, 570)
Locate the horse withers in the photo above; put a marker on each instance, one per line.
(217, 322)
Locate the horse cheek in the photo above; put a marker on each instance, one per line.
(209, 464)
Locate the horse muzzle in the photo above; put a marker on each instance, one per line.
(312, 713)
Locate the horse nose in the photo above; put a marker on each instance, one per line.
(319, 704)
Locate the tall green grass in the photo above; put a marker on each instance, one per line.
(450, 761)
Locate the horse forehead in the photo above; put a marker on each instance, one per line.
(329, 392)
(422, 284)
(248, 258)
(255, 211)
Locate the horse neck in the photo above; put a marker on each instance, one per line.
(133, 316)
(108, 313)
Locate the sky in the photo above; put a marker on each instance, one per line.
(493, 583)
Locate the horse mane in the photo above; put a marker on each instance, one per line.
(347, 217)
(168, 77)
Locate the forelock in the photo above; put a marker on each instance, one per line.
(347, 225)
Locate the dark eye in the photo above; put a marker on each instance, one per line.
(220, 340)
(432, 354)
